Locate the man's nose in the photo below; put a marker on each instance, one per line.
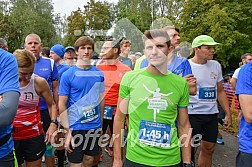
(154, 50)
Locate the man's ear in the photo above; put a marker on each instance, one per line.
(171, 48)
(115, 50)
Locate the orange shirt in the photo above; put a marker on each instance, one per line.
(112, 78)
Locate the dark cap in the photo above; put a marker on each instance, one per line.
(69, 47)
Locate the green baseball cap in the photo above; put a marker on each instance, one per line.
(203, 40)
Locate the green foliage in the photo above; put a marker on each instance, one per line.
(93, 20)
(8, 31)
(23, 17)
(228, 22)
(134, 17)
(76, 27)
(34, 16)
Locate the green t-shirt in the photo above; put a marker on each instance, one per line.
(152, 108)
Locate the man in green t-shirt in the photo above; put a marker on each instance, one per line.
(154, 98)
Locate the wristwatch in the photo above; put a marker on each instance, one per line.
(188, 164)
(55, 122)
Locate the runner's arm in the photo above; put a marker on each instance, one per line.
(55, 88)
(63, 111)
(8, 108)
(233, 82)
(246, 107)
(222, 98)
(191, 81)
(122, 107)
(102, 105)
(184, 127)
(43, 90)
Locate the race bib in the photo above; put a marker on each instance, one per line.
(87, 113)
(155, 134)
(207, 93)
(108, 112)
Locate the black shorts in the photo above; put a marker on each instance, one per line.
(30, 149)
(243, 159)
(8, 160)
(85, 144)
(46, 119)
(128, 163)
(205, 125)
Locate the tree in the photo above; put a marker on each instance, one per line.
(228, 22)
(76, 27)
(95, 19)
(33, 16)
(8, 31)
(134, 17)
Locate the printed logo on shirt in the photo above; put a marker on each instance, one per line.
(44, 69)
(157, 102)
(213, 75)
(28, 96)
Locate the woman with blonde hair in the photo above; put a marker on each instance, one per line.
(29, 140)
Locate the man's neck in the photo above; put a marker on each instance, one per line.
(161, 70)
(83, 64)
(124, 55)
(37, 57)
(59, 62)
(197, 60)
(112, 61)
(170, 59)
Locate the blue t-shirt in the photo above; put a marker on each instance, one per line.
(125, 61)
(244, 86)
(46, 68)
(8, 82)
(62, 68)
(83, 88)
(179, 66)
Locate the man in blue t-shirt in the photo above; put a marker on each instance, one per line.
(9, 96)
(125, 50)
(45, 68)
(81, 105)
(57, 54)
(244, 92)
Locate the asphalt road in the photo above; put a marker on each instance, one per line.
(224, 155)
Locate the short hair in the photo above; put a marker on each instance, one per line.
(115, 44)
(245, 55)
(84, 40)
(33, 35)
(45, 51)
(25, 58)
(151, 34)
(125, 41)
(3, 42)
(171, 27)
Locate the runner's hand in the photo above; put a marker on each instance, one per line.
(49, 134)
(69, 142)
(227, 121)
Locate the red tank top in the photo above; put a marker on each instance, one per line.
(27, 123)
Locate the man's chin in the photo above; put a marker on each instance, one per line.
(156, 65)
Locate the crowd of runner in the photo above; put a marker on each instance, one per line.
(159, 106)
